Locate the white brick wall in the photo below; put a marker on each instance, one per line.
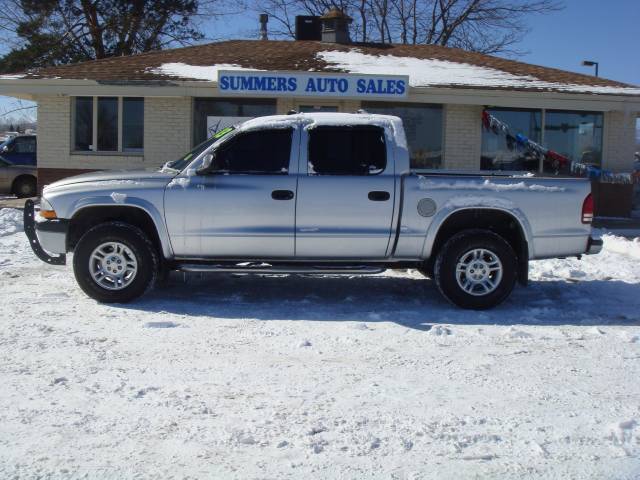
(619, 141)
(462, 136)
(54, 134)
(167, 135)
(167, 128)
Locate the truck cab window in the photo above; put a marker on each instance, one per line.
(357, 150)
(259, 152)
(24, 145)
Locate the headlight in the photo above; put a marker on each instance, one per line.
(46, 210)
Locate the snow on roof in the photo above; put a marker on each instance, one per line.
(432, 72)
(426, 65)
(197, 72)
(12, 76)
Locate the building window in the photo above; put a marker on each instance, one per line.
(212, 114)
(575, 135)
(423, 127)
(500, 152)
(108, 124)
(83, 124)
(132, 124)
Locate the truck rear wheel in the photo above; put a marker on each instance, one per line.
(115, 262)
(476, 269)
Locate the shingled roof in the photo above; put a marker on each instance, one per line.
(326, 57)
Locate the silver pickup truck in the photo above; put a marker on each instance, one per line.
(309, 193)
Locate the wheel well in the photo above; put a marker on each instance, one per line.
(24, 176)
(497, 221)
(89, 217)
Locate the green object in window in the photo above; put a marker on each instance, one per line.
(222, 132)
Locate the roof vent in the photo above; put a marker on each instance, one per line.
(335, 26)
(264, 18)
(308, 28)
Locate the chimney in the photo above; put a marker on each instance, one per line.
(335, 26)
(264, 18)
(308, 27)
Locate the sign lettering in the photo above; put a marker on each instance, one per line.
(241, 82)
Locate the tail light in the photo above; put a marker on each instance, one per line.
(587, 209)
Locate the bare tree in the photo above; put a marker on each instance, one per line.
(50, 32)
(487, 26)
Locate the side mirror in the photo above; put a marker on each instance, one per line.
(5, 149)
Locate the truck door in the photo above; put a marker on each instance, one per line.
(346, 196)
(245, 207)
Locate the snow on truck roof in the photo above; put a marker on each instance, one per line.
(329, 119)
(310, 120)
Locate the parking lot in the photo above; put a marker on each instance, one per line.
(288, 376)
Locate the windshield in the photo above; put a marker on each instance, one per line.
(182, 162)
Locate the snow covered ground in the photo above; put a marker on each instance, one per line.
(292, 377)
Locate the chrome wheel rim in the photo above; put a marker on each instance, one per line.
(113, 266)
(479, 272)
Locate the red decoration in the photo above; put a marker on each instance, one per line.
(486, 121)
(561, 160)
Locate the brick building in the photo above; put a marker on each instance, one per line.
(147, 109)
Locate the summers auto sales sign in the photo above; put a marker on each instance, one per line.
(311, 84)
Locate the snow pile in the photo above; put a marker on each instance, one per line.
(431, 72)
(10, 221)
(197, 72)
(14, 76)
(321, 377)
(623, 246)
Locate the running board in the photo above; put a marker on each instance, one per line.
(262, 268)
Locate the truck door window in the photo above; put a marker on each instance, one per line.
(357, 150)
(264, 152)
(25, 145)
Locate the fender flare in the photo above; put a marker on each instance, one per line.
(502, 206)
(130, 202)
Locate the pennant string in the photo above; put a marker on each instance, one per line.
(521, 142)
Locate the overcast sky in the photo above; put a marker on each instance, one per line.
(604, 31)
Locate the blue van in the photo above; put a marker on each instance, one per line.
(20, 150)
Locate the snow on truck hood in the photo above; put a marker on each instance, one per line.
(114, 177)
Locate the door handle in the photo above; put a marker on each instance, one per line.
(282, 194)
(378, 196)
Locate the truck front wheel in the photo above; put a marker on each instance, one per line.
(476, 269)
(115, 262)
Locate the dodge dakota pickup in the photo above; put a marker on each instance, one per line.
(313, 194)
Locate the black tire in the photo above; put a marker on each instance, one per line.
(25, 186)
(456, 249)
(139, 245)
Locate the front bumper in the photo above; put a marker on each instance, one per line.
(594, 244)
(46, 237)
